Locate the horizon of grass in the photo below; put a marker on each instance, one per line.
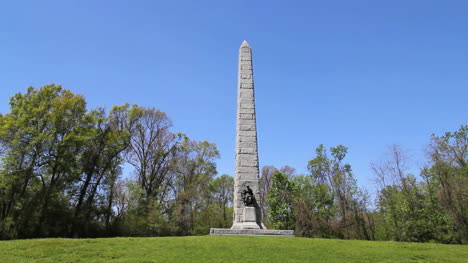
(225, 249)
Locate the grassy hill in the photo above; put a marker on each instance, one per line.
(225, 249)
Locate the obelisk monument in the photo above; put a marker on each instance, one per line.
(247, 214)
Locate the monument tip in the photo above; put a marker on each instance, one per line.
(245, 44)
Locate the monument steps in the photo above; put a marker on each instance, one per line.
(251, 232)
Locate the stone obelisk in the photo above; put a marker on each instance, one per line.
(247, 214)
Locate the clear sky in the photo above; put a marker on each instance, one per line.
(365, 74)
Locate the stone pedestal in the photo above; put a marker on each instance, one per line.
(248, 220)
(249, 215)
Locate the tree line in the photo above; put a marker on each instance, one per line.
(62, 175)
(327, 202)
(61, 171)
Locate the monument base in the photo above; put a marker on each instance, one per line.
(249, 220)
(250, 232)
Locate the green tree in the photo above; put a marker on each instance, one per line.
(407, 206)
(153, 151)
(280, 201)
(42, 135)
(60, 166)
(108, 137)
(264, 184)
(195, 171)
(447, 179)
(222, 192)
(337, 204)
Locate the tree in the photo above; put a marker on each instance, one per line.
(280, 201)
(447, 179)
(42, 135)
(194, 172)
(60, 166)
(265, 185)
(108, 137)
(403, 201)
(152, 153)
(222, 190)
(336, 201)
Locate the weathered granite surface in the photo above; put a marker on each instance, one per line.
(247, 171)
(251, 232)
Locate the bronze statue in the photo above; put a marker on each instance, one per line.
(248, 197)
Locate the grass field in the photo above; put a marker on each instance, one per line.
(225, 249)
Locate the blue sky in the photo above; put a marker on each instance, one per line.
(365, 74)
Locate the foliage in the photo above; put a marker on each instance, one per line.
(42, 136)
(222, 189)
(61, 165)
(280, 199)
(431, 209)
(195, 170)
(328, 202)
(447, 181)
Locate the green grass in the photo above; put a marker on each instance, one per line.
(225, 249)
